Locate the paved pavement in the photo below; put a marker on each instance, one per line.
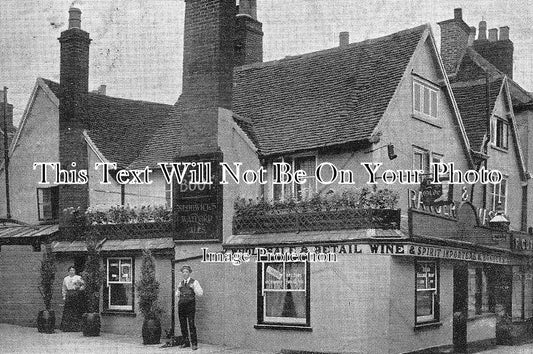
(518, 349)
(17, 339)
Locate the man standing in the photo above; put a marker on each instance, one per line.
(187, 291)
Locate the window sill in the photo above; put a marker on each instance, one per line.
(431, 121)
(118, 313)
(479, 317)
(284, 327)
(497, 148)
(425, 325)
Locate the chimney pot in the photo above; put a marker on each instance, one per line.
(458, 13)
(493, 34)
(344, 39)
(482, 30)
(74, 18)
(504, 33)
(248, 7)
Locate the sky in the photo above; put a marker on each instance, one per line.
(136, 47)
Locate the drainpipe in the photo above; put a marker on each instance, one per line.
(6, 157)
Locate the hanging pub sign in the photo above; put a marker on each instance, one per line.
(434, 194)
(197, 200)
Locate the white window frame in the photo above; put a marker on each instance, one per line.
(423, 87)
(435, 292)
(499, 137)
(428, 156)
(111, 282)
(495, 194)
(289, 190)
(284, 320)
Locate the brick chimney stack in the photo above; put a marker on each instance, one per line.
(454, 40)
(248, 34)
(208, 61)
(73, 85)
(498, 51)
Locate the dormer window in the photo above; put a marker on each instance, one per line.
(499, 133)
(425, 99)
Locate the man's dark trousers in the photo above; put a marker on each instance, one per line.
(186, 312)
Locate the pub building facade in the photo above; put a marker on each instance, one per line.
(398, 280)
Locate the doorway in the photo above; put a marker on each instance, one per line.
(460, 307)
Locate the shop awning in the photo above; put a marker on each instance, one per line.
(14, 234)
(313, 237)
(164, 243)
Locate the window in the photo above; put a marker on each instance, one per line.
(48, 203)
(426, 291)
(425, 101)
(294, 190)
(284, 293)
(422, 159)
(500, 133)
(478, 292)
(498, 194)
(119, 285)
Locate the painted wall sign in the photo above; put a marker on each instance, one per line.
(197, 207)
(396, 249)
(524, 243)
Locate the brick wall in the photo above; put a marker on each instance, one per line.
(454, 35)
(499, 54)
(19, 278)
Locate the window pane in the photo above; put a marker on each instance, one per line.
(426, 100)
(505, 136)
(113, 271)
(285, 304)
(434, 104)
(417, 97)
(424, 303)
(273, 276)
(125, 270)
(295, 276)
(120, 294)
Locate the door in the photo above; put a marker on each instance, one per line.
(460, 307)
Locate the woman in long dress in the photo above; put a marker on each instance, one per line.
(74, 298)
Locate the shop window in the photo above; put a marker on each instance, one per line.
(283, 297)
(499, 133)
(498, 194)
(118, 294)
(425, 99)
(48, 203)
(479, 302)
(297, 191)
(427, 291)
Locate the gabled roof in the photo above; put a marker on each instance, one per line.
(474, 67)
(471, 99)
(324, 98)
(121, 129)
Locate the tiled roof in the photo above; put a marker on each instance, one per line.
(53, 86)
(124, 130)
(324, 98)
(472, 102)
(19, 232)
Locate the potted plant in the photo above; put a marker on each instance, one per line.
(92, 277)
(46, 318)
(148, 289)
